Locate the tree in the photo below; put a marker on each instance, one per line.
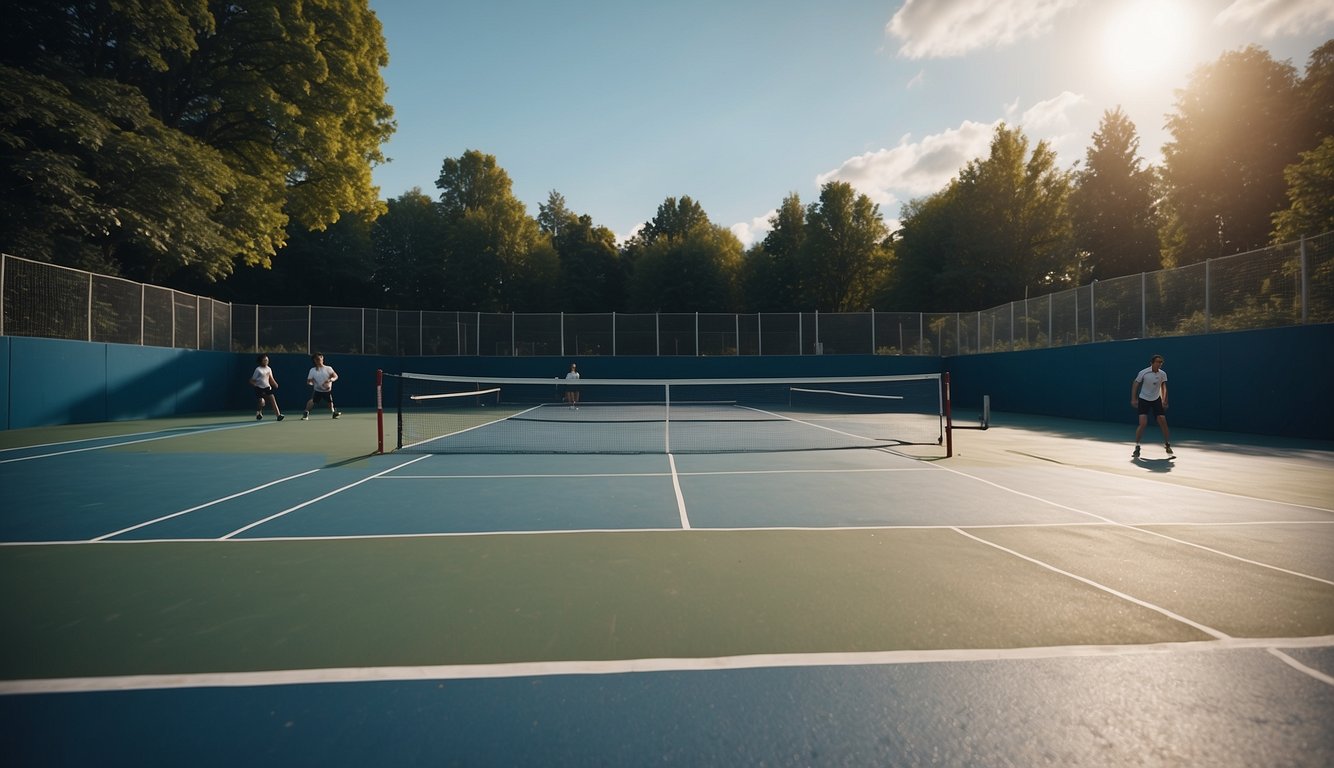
(1237, 125)
(591, 276)
(1112, 206)
(770, 268)
(492, 242)
(553, 215)
(999, 230)
(841, 256)
(674, 218)
(1310, 195)
(683, 262)
(1317, 92)
(410, 254)
(186, 135)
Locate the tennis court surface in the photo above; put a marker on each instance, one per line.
(221, 591)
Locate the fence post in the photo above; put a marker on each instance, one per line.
(1144, 305)
(1304, 288)
(1208, 268)
(613, 334)
(90, 308)
(1093, 313)
(873, 330)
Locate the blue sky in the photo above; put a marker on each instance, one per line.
(619, 104)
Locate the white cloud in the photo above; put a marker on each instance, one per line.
(913, 169)
(1278, 17)
(749, 232)
(918, 81)
(941, 28)
(1052, 113)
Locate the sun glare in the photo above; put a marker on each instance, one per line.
(1145, 40)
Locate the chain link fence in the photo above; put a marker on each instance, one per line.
(1290, 284)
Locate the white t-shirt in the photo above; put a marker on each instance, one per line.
(1150, 383)
(260, 378)
(572, 375)
(322, 378)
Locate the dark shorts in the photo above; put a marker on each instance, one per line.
(262, 392)
(318, 397)
(1151, 407)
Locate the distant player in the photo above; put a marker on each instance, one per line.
(572, 389)
(1148, 394)
(320, 378)
(265, 386)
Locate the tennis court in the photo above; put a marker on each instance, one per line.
(219, 590)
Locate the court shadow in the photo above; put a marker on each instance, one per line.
(1153, 465)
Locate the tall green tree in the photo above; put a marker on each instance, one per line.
(492, 242)
(1113, 206)
(1238, 124)
(185, 135)
(842, 258)
(1310, 208)
(683, 262)
(591, 275)
(410, 254)
(554, 215)
(1317, 92)
(770, 269)
(999, 231)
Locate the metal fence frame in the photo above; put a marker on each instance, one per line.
(1289, 284)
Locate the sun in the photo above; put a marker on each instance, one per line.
(1147, 40)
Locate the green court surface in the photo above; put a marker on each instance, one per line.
(519, 602)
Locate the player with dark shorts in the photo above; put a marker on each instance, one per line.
(1148, 395)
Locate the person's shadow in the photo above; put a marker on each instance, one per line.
(1153, 465)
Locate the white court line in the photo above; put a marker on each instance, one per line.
(1206, 490)
(525, 477)
(1144, 530)
(127, 442)
(202, 506)
(1300, 667)
(1103, 587)
(680, 499)
(627, 666)
(272, 517)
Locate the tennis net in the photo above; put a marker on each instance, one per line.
(458, 414)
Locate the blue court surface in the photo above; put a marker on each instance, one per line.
(220, 591)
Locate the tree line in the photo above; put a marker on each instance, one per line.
(226, 148)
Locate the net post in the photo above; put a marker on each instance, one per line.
(379, 410)
(949, 420)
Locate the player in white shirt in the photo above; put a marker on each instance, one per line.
(1148, 395)
(320, 378)
(572, 386)
(265, 384)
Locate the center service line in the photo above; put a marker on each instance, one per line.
(680, 500)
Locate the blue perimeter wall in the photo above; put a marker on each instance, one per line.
(1273, 381)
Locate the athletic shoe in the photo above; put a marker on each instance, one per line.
(1136, 453)
(281, 417)
(1168, 448)
(259, 417)
(337, 414)
(306, 417)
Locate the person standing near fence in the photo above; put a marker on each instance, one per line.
(1148, 394)
(320, 378)
(265, 386)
